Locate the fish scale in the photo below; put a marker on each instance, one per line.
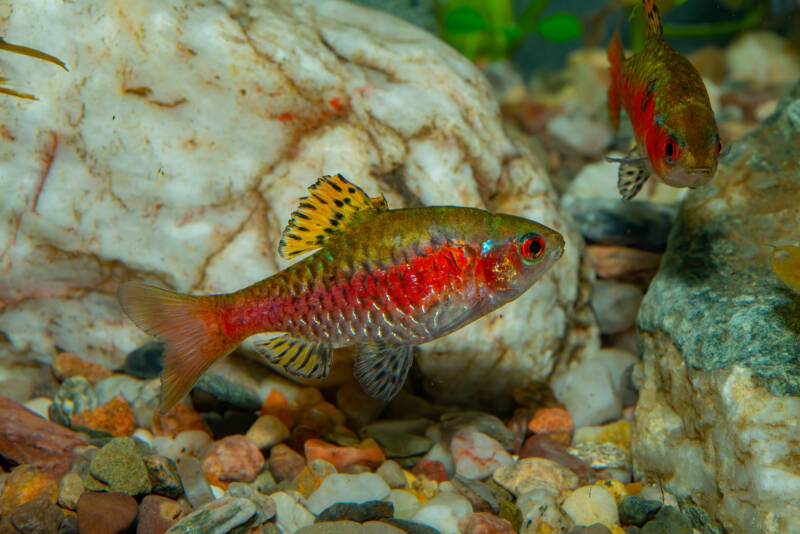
(382, 280)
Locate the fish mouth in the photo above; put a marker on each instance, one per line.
(700, 170)
(693, 177)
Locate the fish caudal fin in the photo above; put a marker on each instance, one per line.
(615, 56)
(653, 20)
(188, 327)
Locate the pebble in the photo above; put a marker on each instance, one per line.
(480, 495)
(70, 489)
(75, 395)
(668, 520)
(412, 527)
(634, 510)
(530, 473)
(290, 514)
(193, 480)
(762, 58)
(308, 480)
(267, 431)
(430, 469)
(180, 418)
(146, 361)
(616, 262)
(600, 455)
(67, 365)
(359, 408)
(585, 135)
(404, 502)
(337, 527)
(233, 458)
(617, 433)
(358, 512)
(106, 513)
(219, 516)
(157, 514)
(543, 446)
(546, 420)
(443, 512)
(40, 406)
(588, 394)
(39, 515)
(347, 488)
(24, 484)
(265, 507)
(143, 435)
(164, 476)
(115, 417)
(226, 390)
(615, 305)
(119, 465)
(146, 403)
(367, 454)
(597, 528)
(488, 424)
(400, 438)
(483, 523)
(659, 494)
(391, 473)
(285, 463)
(28, 439)
(541, 512)
(440, 453)
(620, 364)
(477, 455)
(123, 385)
(588, 505)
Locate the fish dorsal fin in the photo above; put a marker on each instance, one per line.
(652, 19)
(382, 369)
(301, 357)
(329, 207)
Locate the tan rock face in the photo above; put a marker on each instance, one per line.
(183, 135)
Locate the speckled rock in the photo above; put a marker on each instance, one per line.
(634, 510)
(530, 473)
(477, 455)
(75, 395)
(600, 455)
(35, 516)
(164, 476)
(668, 520)
(233, 458)
(330, 87)
(25, 483)
(541, 512)
(219, 516)
(721, 369)
(120, 466)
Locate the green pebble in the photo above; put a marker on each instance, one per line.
(119, 464)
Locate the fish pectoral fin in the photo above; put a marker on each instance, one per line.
(330, 206)
(309, 358)
(630, 179)
(382, 369)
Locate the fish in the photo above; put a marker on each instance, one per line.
(384, 280)
(677, 139)
(25, 51)
(786, 264)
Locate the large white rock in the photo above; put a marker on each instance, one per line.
(178, 143)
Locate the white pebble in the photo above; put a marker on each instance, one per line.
(290, 515)
(405, 503)
(347, 488)
(588, 394)
(591, 504)
(615, 305)
(39, 405)
(217, 492)
(142, 434)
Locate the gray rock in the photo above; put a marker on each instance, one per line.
(218, 517)
(411, 527)
(633, 510)
(194, 482)
(400, 438)
(119, 464)
(37, 515)
(668, 520)
(332, 527)
(486, 423)
(75, 395)
(588, 393)
(265, 507)
(114, 385)
(227, 390)
(164, 476)
(358, 512)
(597, 528)
(615, 305)
(392, 474)
(146, 361)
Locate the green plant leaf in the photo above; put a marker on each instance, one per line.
(464, 20)
(530, 16)
(560, 27)
(512, 34)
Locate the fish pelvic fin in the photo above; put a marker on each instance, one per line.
(653, 20)
(382, 369)
(301, 357)
(330, 206)
(188, 327)
(616, 56)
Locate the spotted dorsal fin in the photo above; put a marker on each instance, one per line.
(330, 205)
(652, 19)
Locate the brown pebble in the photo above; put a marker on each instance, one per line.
(157, 514)
(68, 365)
(285, 463)
(543, 446)
(181, 417)
(37, 515)
(234, 457)
(106, 513)
(431, 469)
(483, 523)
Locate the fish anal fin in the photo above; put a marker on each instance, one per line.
(382, 369)
(188, 327)
(301, 357)
(330, 206)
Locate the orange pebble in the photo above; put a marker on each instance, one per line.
(181, 417)
(23, 484)
(547, 420)
(213, 480)
(276, 404)
(432, 469)
(633, 487)
(115, 417)
(67, 365)
(367, 453)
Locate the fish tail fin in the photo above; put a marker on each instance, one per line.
(615, 56)
(652, 19)
(187, 325)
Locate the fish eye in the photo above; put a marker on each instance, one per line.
(670, 150)
(532, 246)
(718, 148)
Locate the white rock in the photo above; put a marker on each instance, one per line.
(763, 58)
(596, 180)
(221, 115)
(290, 515)
(591, 504)
(217, 492)
(539, 506)
(347, 488)
(405, 503)
(618, 363)
(39, 405)
(588, 394)
(192, 442)
(656, 493)
(586, 136)
(456, 502)
(144, 435)
(443, 512)
(267, 431)
(477, 455)
(439, 453)
(615, 305)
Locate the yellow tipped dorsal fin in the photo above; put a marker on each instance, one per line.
(330, 205)
(652, 19)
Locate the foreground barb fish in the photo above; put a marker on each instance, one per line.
(25, 51)
(786, 264)
(667, 102)
(384, 280)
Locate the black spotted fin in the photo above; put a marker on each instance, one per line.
(308, 358)
(331, 203)
(633, 173)
(382, 369)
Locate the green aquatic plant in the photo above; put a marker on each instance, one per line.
(488, 29)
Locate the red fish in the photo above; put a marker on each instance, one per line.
(384, 280)
(667, 103)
